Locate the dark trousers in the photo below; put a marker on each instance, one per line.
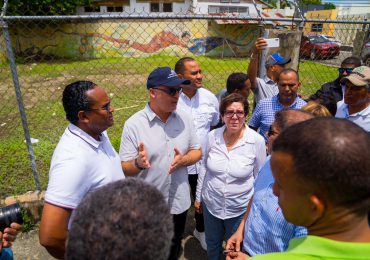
(179, 221)
(199, 222)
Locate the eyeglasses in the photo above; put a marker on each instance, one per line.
(271, 132)
(105, 107)
(287, 85)
(170, 91)
(230, 114)
(347, 70)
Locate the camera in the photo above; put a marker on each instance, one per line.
(10, 214)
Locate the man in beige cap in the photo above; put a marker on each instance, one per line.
(356, 107)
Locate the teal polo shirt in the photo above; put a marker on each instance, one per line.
(313, 247)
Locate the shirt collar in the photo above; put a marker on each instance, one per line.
(85, 136)
(276, 99)
(365, 112)
(185, 97)
(247, 137)
(267, 80)
(151, 115)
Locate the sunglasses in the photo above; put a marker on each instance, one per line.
(347, 70)
(170, 91)
(230, 114)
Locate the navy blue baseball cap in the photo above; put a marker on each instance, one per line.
(165, 76)
(276, 59)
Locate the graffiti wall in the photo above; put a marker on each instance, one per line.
(131, 39)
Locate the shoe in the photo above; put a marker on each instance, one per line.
(201, 236)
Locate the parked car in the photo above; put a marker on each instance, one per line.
(318, 47)
(365, 54)
(333, 39)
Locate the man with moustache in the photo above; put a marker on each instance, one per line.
(159, 142)
(83, 161)
(287, 98)
(203, 106)
(356, 107)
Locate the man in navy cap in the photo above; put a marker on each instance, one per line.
(266, 86)
(159, 142)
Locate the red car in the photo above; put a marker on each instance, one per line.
(318, 47)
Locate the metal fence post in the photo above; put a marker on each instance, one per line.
(18, 93)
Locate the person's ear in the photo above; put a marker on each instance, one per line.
(152, 93)
(299, 85)
(317, 206)
(181, 76)
(82, 116)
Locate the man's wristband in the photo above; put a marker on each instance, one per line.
(138, 166)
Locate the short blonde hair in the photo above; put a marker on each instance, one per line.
(316, 109)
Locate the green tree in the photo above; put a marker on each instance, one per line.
(44, 7)
(313, 2)
(328, 6)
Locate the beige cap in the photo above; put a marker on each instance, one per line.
(360, 76)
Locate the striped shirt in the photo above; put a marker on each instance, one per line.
(266, 229)
(264, 114)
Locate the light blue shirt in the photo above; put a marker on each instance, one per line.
(266, 229)
(264, 114)
(361, 118)
(265, 88)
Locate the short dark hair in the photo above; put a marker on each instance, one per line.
(330, 156)
(289, 70)
(288, 117)
(126, 219)
(328, 101)
(352, 60)
(180, 64)
(236, 81)
(234, 97)
(75, 99)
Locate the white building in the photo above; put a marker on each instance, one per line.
(211, 7)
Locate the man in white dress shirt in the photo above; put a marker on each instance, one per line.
(203, 106)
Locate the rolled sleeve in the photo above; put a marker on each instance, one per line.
(255, 120)
(129, 144)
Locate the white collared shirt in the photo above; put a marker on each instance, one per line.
(225, 182)
(204, 109)
(361, 118)
(265, 88)
(160, 138)
(80, 164)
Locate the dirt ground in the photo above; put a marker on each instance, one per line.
(27, 245)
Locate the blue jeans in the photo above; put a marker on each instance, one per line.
(217, 230)
(6, 254)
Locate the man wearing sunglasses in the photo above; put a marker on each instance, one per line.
(159, 142)
(334, 90)
(203, 106)
(83, 161)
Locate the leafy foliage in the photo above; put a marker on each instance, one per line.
(44, 7)
(329, 6)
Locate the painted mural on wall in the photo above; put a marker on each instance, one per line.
(133, 39)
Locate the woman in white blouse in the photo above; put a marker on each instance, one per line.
(234, 154)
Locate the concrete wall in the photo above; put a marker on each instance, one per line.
(131, 39)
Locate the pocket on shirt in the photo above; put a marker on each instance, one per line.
(204, 117)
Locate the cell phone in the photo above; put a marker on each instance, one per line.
(273, 42)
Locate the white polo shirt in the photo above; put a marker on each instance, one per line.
(225, 182)
(80, 164)
(204, 109)
(361, 118)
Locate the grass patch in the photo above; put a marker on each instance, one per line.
(124, 78)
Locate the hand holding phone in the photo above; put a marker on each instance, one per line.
(273, 42)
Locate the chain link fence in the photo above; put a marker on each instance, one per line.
(118, 52)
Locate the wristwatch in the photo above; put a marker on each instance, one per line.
(138, 166)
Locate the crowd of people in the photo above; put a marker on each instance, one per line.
(293, 182)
